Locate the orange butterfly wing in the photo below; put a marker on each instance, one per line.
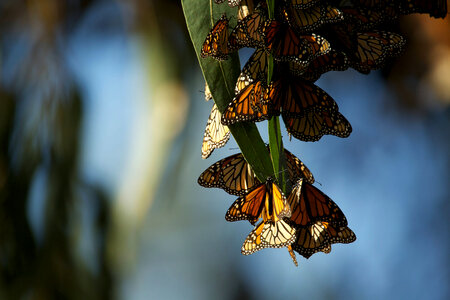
(368, 18)
(309, 112)
(311, 239)
(319, 237)
(306, 20)
(233, 174)
(249, 31)
(216, 42)
(254, 70)
(248, 207)
(309, 205)
(303, 4)
(265, 201)
(268, 235)
(276, 206)
(332, 61)
(251, 91)
(366, 51)
(286, 45)
(248, 105)
(373, 48)
(343, 235)
(297, 169)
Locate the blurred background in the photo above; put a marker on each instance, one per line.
(101, 123)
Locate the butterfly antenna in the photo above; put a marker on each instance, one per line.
(280, 172)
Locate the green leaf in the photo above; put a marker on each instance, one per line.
(277, 152)
(275, 139)
(221, 78)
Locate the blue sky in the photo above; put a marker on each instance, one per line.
(390, 178)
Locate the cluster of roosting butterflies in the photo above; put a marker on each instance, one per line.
(306, 38)
(307, 221)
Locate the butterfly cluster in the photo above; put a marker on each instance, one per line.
(294, 46)
(307, 221)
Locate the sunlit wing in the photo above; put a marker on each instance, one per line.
(216, 135)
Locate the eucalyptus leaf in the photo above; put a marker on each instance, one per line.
(221, 77)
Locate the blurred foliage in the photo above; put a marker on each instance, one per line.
(40, 119)
(421, 77)
(41, 113)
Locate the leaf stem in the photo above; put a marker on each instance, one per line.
(275, 139)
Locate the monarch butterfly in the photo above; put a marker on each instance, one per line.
(245, 8)
(343, 235)
(311, 239)
(231, 3)
(308, 111)
(332, 61)
(249, 31)
(235, 176)
(309, 205)
(250, 104)
(256, 67)
(216, 135)
(363, 19)
(312, 126)
(216, 42)
(266, 201)
(374, 48)
(319, 237)
(437, 9)
(303, 4)
(366, 50)
(254, 70)
(286, 45)
(305, 20)
(208, 95)
(269, 234)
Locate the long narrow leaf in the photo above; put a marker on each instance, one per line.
(221, 78)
